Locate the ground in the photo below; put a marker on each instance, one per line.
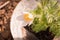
(5, 16)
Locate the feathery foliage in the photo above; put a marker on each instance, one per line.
(47, 14)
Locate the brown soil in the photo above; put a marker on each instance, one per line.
(42, 35)
(5, 15)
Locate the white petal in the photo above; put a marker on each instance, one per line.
(20, 18)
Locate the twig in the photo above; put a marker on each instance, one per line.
(4, 4)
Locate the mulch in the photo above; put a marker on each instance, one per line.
(5, 16)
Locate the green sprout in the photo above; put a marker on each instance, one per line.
(47, 14)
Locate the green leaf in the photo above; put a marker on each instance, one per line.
(47, 14)
(44, 2)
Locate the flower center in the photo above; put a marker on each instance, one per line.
(27, 18)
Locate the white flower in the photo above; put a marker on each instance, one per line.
(25, 18)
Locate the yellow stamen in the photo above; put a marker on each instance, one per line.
(26, 17)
